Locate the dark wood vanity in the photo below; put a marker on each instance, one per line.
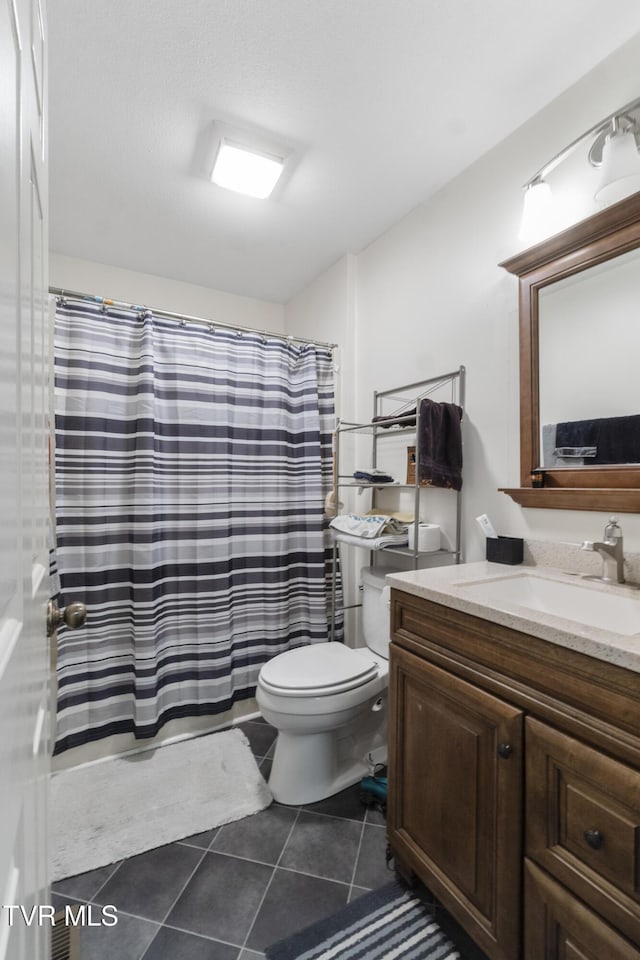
(514, 768)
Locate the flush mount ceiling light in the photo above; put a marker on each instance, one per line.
(615, 145)
(246, 170)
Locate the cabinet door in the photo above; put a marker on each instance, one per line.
(557, 926)
(455, 797)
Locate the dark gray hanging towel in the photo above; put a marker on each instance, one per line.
(440, 444)
(616, 439)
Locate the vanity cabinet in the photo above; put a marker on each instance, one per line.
(457, 763)
(514, 768)
(560, 927)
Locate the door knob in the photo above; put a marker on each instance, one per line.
(73, 615)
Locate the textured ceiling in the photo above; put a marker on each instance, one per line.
(380, 101)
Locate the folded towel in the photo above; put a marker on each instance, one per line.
(368, 527)
(571, 452)
(405, 419)
(548, 445)
(617, 439)
(373, 476)
(372, 543)
(578, 433)
(359, 526)
(440, 444)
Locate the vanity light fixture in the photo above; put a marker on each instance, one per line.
(245, 170)
(537, 212)
(614, 148)
(620, 161)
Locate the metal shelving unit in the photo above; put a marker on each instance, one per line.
(397, 424)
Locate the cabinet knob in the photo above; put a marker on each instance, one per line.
(594, 838)
(505, 750)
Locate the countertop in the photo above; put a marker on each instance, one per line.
(449, 586)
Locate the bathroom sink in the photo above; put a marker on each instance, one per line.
(618, 612)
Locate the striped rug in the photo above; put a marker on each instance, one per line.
(387, 924)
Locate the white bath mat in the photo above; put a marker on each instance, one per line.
(117, 808)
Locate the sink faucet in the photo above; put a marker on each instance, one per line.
(610, 549)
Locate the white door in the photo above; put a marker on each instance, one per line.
(24, 659)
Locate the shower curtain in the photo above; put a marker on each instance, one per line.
(192, 464)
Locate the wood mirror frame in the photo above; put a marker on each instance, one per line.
(606, 234)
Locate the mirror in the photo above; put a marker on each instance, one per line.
(579, 350)
(588, 366)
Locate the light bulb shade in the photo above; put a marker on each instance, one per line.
(245, 170)
(620, 173)
(538, 214)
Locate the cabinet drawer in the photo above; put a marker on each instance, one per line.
(558, 927)
(583, 822)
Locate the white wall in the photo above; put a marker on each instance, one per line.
(325, 310)
(85, 276)
(429, 295)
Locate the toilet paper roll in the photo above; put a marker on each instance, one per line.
(429, 536)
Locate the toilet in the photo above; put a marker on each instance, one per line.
(328, 703)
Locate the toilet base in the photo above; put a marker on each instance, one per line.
(312, 767)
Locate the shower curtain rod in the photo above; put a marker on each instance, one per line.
(181, 317)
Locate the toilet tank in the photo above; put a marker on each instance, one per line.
(375, 610)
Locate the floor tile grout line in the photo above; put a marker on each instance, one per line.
(239, 856)
(182, 889)
(355, 862)
(186, 883)
(172, 926)
(169, 926)
(273, 873)
(333, 816)
(315, 876)
(116, 867)
(193, 846)
(264, 863)
(190, 933)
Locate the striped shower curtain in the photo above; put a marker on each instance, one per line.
(192, 464)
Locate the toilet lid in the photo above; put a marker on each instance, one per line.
(317, 670)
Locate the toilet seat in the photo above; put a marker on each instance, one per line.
(317, 670)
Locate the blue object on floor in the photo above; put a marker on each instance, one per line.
(375, 787)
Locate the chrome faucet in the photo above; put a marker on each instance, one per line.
(610, 549)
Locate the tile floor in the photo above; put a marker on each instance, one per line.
(229, 893)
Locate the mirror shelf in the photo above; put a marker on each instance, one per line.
(601, 237)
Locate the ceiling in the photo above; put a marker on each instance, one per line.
(380, 102)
